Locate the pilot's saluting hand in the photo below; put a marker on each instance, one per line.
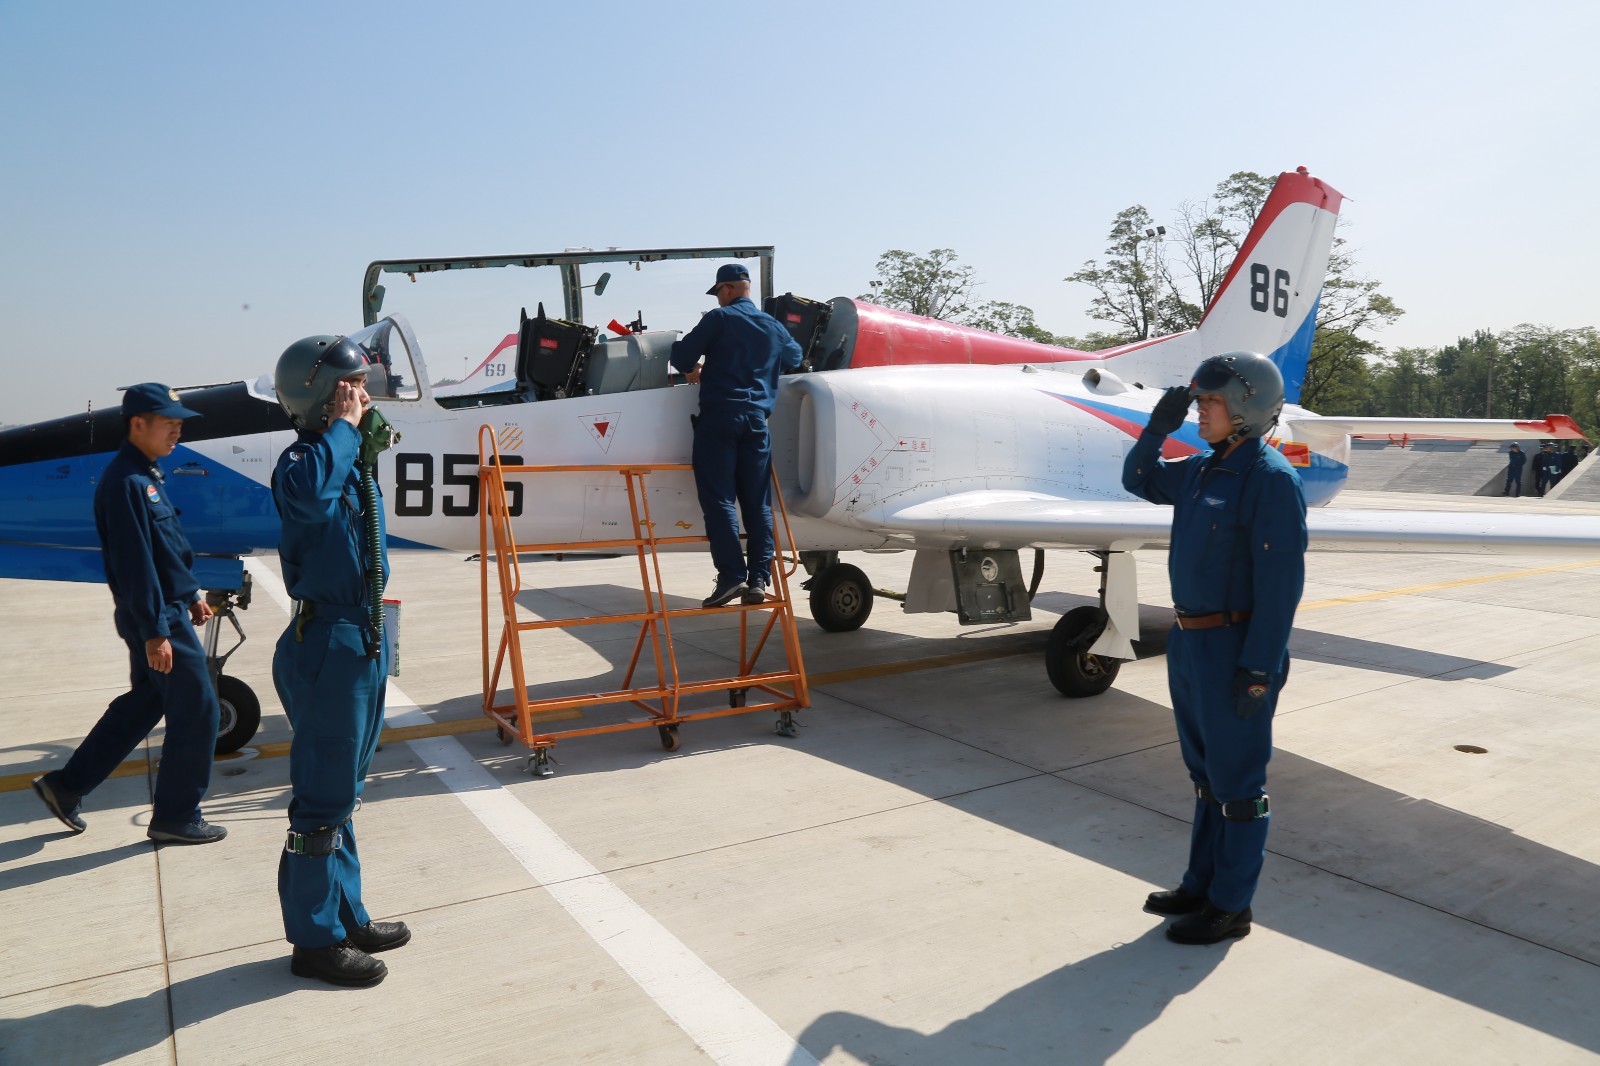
(349, 400)
(1170, 411)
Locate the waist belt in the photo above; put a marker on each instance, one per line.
(1212, 621)
(309, 609)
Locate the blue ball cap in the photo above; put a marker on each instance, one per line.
(152, 398)
(726, 273)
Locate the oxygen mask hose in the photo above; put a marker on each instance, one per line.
(377, 435)
(374, 537)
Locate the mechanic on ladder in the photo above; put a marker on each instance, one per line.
(331, 665)
(1237, 566)
(744, 348)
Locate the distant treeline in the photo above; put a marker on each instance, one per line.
(1527, 372)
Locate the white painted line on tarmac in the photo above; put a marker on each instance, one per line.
(714, 1014)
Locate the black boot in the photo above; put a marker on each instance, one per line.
(379, 936)
(63, 804)
(1209, 925)
(338, 964)
(1175, 901)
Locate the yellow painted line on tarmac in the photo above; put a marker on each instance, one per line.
(1438, 586)
(280, 748)
(397, 734)
(934, 662)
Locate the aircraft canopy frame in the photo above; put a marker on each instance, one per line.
(570, 263)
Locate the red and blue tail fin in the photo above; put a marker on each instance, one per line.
(1267, 301)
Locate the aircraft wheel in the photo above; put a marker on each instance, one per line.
(241, 714)
(1072, 669)
(841, 598)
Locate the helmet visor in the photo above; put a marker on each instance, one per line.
(1213, 376)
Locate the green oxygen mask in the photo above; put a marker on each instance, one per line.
(377, 435)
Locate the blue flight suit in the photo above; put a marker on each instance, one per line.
(1545, 465)
(1238, 544)
(331, 689)
(744, 349)
(148, 566)
(1514, 463)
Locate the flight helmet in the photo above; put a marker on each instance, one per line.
(1251, 386)
(308, 373)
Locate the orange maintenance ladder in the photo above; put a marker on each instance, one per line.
(785, 690)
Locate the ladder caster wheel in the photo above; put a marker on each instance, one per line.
(504, 737)
(786, 726)
(737, 696)
(539, 764)
(669, 737)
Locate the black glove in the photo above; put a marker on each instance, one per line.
(1170, 410)
(1251, 690)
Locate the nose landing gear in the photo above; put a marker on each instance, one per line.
(240, 709)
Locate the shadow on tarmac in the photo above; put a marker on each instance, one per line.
(1082, 1013)
(85, 1033)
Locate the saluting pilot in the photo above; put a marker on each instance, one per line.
(330, 668)
(148, 565)
(1237, 565)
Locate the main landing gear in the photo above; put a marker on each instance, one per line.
(984, 587)
(1074, 670)
(241, 710)
(841, 595)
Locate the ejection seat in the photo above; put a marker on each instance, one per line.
(551, 356)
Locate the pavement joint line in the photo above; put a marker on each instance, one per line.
(721, 1021)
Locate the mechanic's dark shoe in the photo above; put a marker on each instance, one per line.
(1173, 901)
(380, 936)
(724, 593)
(198, 831)
(339, 964)
(755, 592)
(1209, 925)
(63, 804)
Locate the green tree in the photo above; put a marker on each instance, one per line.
(935, 285)
(938, 285)
(1011, 320)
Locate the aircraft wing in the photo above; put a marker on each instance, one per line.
(1019, 519)
(1326, 431)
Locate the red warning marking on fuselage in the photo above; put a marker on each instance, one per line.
(603, 428)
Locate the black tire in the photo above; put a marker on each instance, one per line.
(669, 737)
(841, 598)
(1073, 671)
(241, 714)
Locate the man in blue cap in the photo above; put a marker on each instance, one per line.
(744, 349)
(148, 565)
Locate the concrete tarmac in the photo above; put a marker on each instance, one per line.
(945, 866)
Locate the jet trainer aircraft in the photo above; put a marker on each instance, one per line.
(898, 433)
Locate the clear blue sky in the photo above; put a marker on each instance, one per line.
(164, 164)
